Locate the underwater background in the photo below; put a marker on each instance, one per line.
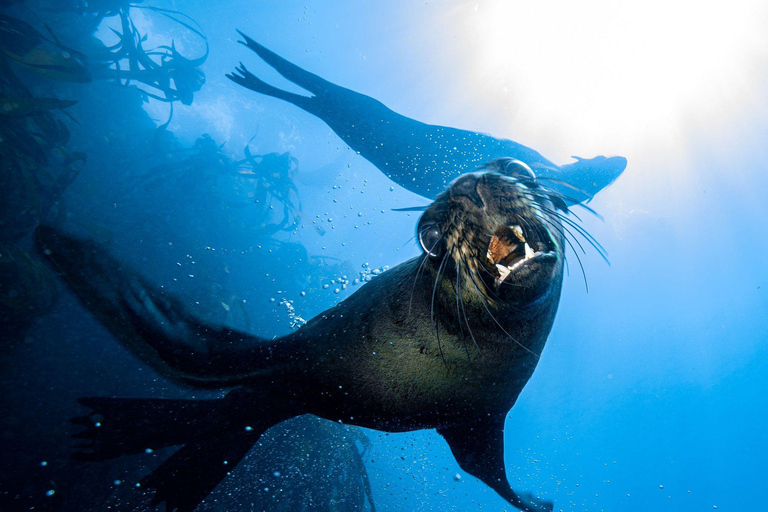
(651, 392)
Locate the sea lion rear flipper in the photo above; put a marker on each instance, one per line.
(125, 426)
(479, 450)
(215, 435)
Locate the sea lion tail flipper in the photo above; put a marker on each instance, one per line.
(248, 80)
(290, 71)
(581, 180)
(479, 450)
(153, 325)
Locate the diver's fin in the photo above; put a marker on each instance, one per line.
(155, 326)
(479, 450)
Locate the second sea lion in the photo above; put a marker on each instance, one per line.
(446, 340)
(420, 157)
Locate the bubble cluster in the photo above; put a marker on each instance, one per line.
(340, 282)
(369, 273)
(294, 320)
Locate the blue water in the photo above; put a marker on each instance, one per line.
(650, 394)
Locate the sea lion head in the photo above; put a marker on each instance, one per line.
(496, 235)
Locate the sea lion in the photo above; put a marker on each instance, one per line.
(446, 340)
(419, 157)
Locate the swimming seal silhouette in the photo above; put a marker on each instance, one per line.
(419, 157)
(446, 340)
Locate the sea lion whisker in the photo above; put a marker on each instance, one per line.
(418, 272)
(583, 232)
(544, 193)
(551, 194)
(415, 281)
(458, 313)
(408, 241)
(589, 209)
(566, 184)
(435, 323)
(575, 225)
(581, 266)
(457, 292)
(410, 209)
(481, 295)
(551, 217)
(575, 202)
(533, 227)
(568, 232)
(564, 231)
(464, 312)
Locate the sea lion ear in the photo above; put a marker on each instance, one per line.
(512, 167)
(479, 449)
(519, 169)
(431, 239)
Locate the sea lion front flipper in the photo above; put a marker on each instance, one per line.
(479, 450)
(208, 430)
(214, 435)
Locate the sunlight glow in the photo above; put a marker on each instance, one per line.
(614, 76)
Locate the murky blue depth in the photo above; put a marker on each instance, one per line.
(651, 391)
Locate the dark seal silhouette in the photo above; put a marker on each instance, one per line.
(446, 340)
(419, 157)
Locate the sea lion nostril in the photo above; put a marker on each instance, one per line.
(467, 186)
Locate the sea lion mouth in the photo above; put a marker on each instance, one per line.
(511, 250)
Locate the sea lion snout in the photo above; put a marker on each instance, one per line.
(466, 186)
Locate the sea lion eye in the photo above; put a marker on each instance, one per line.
(431, 239)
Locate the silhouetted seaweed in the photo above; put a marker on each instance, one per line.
(36, 166)
(164, 69)
(273, 175)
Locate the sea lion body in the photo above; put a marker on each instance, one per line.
(446, 340)
(382, 368)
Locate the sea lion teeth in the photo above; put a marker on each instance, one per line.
(518, 231)
(529, 253)
(497, 248)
